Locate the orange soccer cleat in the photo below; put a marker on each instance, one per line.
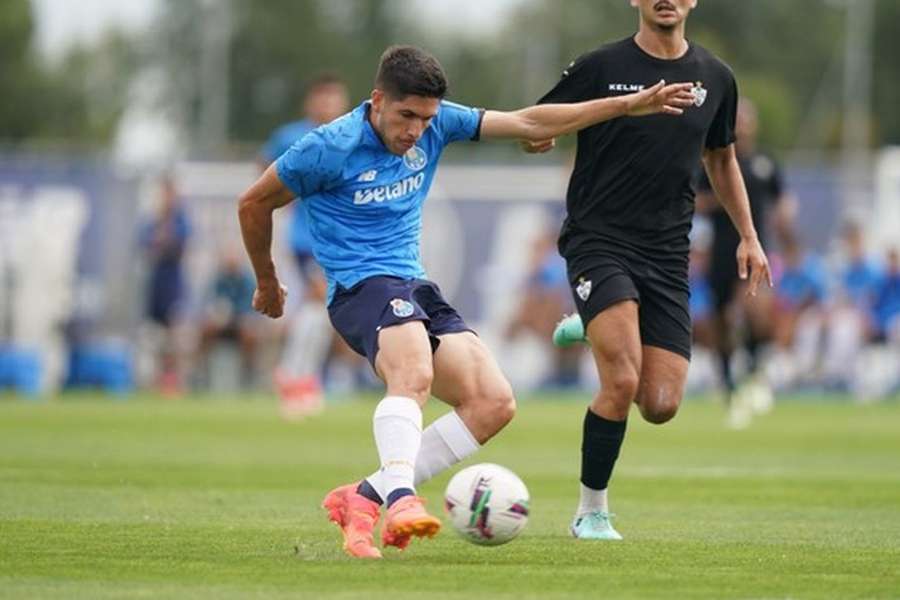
(398, 540)
(356, 516)
(406, 518)
(300, 396)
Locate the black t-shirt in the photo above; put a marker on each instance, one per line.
(764, 183)
(632, 181)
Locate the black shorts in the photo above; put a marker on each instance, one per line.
(361, 312)
(660, 287)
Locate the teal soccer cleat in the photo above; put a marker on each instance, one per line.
(594, 526)
(569, 331)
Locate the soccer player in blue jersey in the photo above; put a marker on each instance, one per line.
(363, 179)
(310, 334)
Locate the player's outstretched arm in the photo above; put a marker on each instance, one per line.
(728, 183)
(545, 121)
(255, 209)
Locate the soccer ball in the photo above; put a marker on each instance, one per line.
(487, 504)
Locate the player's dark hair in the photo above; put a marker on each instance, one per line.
(410, 71)
(322, 80)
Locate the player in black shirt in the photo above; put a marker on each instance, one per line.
(625, 239)
(768, 203)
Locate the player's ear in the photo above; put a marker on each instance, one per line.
(377, 100)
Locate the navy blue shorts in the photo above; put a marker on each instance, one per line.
(359, 313)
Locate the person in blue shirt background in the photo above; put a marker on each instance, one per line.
(325, 100)
(887, 300)
(363, 179)
(164, 239)
(228, 315)
(800, 317)
(309, 335)
(851, 317)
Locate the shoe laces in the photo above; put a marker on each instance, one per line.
(600, 517)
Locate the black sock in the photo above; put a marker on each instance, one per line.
(399, 493)
(725, 370)
(600, 446)
(751, 343)
(365, 489)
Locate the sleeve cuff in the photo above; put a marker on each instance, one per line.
(718, 144)
(477, 136)
(284, 175)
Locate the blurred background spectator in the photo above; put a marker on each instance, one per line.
(887, 301)
(851, 318)
(310, 337)
(164, 238)
(228, 318)
(544, 298)
(738, 321)
(800, 314)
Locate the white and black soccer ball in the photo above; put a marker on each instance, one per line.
(487, 504)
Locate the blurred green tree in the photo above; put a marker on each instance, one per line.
(78, 99)
(241, 65)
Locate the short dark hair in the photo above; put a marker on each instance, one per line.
(410, 71)
(322, 80)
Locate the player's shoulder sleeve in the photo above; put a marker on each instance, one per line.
(455, 122)
(314, 162)
(721, 131)
(578, 82)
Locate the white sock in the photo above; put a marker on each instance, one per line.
(398, 435)
(445, 442)
(308, 341)
(591, 501)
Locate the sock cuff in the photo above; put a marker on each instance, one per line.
(456, 435)
(400, 407)
(596, 423)
(586, 489)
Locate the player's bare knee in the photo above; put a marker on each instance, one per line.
(503, 407)
(413, 381)
(622, 386)
(495, 409)
(661, 409)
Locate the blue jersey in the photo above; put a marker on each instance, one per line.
(365, 203)
(887, 302)
(860, 281)
(804, 283)
(277, 144)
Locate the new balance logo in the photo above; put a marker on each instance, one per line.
(389, 192)
(368, 176)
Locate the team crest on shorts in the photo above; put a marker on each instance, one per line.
(583, 289)
(415, 159)
(699, 93)
(401, 308)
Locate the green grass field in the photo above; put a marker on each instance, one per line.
(205, 499)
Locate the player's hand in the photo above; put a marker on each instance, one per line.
(537, 147)
(269, 297)
(752, 261)
(661, 98)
